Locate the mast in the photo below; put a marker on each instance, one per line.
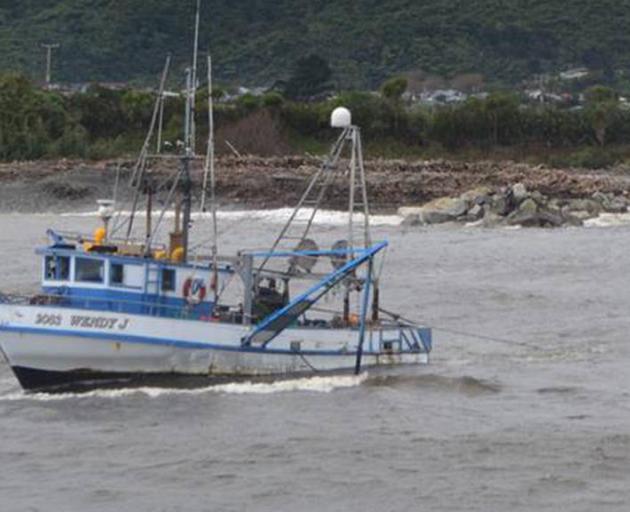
(186, 185)
(209, 172)
(193, 91)
(189, 140)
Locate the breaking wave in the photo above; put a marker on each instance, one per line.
(310, 384)
(275, 216)
(608, 220)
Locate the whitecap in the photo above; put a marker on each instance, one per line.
(274, 216)
(608, 220)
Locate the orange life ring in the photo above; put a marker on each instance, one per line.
(194, 290)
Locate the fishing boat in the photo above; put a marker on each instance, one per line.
(115, 307)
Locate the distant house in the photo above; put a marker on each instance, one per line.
(82, 87)
(254, 91)
(540, 96)
(443, 97)
(574, 74)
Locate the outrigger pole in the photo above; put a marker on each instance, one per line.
(136, 178)
(364, 309)
(193, 91)
(209, 175)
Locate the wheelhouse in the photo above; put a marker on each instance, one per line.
(81, 278)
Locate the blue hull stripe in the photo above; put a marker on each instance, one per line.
(180, 343)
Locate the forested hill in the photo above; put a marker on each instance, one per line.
(257, 41)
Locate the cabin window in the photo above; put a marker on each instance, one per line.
(117, 274)
(57, 268)
(89, 271)
(168, 280)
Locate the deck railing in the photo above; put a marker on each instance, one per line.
(149, 308)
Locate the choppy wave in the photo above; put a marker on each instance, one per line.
(465, 384)
(275, 216)
(608, 220)
(310, 384)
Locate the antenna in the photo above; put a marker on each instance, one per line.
(49, 48)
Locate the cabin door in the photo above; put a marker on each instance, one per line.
(152, 280)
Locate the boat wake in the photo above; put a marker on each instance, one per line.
(310, 384)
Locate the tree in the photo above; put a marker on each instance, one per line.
(601, 109)
(394, 88)
(137, 108)
(311, 77)
(600, 94)
(502, 111)
(29, 118)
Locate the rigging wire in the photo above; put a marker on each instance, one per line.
(483, 337)
(448, 330)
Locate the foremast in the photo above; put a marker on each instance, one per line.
(180, 184)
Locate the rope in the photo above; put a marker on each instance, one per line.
(494, 339)
(483, 337)
(315, 370)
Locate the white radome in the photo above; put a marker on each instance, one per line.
(341, 118)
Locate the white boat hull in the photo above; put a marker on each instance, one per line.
(51, 346)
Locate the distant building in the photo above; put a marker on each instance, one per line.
(443, 97)
(541, 96)
(82, 87)
(574, 74)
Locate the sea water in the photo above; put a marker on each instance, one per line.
(525, 406)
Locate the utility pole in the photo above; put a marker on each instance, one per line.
(49, 48)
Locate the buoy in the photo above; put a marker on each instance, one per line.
(194, 291)
(354, 320)
(99, 235)
(178, 254)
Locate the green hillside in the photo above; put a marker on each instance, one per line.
(257, 42)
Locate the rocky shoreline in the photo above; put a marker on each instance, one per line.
(513, 206)
(444, 191)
